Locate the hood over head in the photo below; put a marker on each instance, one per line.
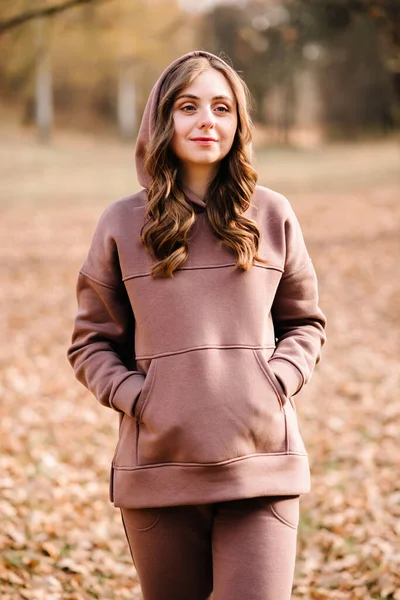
(148, 122)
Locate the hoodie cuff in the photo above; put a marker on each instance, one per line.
(288, 375)
(127, 393)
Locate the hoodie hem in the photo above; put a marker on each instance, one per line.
(179, 484)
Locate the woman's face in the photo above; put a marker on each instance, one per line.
(205, 121)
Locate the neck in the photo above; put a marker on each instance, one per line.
(197, 179)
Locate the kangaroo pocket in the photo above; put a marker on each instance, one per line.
(208, 406)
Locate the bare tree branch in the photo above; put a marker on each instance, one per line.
(49, 11)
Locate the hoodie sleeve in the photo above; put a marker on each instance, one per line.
(103, 334)
(299, 323)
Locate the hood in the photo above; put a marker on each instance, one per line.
(148, 120)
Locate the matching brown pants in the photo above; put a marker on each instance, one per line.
(238, 550)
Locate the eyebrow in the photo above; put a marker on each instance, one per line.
(222, 97)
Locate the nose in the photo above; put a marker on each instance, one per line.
(206, 119)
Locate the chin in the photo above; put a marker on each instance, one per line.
(206, 160)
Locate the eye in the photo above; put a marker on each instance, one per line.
(188, 108)
(222, 108)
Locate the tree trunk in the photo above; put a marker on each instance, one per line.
(288, 108)
(126, 105)
(43, 83)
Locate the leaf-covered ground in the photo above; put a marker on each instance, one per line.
(59, 536)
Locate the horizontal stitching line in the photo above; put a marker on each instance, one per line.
(217, 464)
(205, 267)
(207, 347)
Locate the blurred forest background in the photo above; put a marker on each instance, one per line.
(326, 67)
(74, 78)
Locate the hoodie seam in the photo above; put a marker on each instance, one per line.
(293, 273)
(206, 347)
(211, 464)
(92, 278)
(205, 267)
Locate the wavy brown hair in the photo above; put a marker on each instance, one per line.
(170, 215)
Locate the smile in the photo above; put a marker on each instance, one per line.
(204, 141)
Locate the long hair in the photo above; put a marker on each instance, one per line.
(169, 215)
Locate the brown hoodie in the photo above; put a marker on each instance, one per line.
(194, 364)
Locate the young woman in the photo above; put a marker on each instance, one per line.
(198, 322)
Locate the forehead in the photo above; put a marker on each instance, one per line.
(209, 84)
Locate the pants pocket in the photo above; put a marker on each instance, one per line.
(286, 509)
(141, 519)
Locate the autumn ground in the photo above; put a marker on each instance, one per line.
(59, 536)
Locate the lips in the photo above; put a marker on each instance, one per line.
(203, 139)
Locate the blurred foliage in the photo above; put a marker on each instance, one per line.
(60, 538)
(88, 44)
(350, 48)
(39, 10)
(353, 47)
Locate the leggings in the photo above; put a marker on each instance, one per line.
(237, 550)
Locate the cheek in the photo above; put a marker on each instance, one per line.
(231, 132)
(175, 138)
(179, 127)
(179, 134)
